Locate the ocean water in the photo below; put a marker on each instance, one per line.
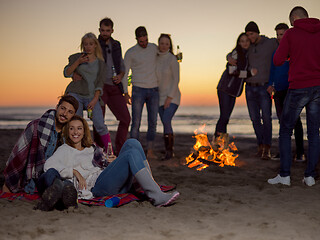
(186, 119)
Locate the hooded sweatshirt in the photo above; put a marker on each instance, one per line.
(301, 44)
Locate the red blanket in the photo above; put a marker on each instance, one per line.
(99, 201)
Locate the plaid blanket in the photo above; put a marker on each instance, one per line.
(28, 155)
(99, 201)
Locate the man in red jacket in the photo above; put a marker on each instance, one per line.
(301, 45)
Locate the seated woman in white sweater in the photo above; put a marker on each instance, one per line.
(85, 163)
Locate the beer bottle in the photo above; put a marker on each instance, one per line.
(89, 111)
(179, 54)
(114, 74)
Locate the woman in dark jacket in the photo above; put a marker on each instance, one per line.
(231, 83)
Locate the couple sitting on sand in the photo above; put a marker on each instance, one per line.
(56, 155)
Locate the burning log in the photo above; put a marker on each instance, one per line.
(205, 154)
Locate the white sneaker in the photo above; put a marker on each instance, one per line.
(279, 179)
(309, 181)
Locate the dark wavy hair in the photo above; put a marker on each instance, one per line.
(69, 99)
(238, 48)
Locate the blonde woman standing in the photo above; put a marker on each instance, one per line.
(91, 66)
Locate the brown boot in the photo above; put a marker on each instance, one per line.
(225, 138)
(260, 151)
(266, 155)
(168, 142)
(215, 142)
(150, 154)
(221, 141)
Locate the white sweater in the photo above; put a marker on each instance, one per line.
(167, 71)
(142, 62)
(67, 158)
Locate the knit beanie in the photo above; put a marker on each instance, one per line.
(252, 27)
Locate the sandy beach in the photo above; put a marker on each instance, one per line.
(216, 203)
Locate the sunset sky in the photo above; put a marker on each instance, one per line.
(39, 35)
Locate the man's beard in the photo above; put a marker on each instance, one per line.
(58, 123)
(105, 38)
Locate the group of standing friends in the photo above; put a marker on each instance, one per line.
(287, 70)
(56, 155)
(101, 70)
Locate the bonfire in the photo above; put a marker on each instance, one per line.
(220, 152)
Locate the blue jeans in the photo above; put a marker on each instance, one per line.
(226, 105)
(117, 177)
(97, 116)
(166, 116)
(259, 107)
(295, 101)
(46, 180)
(140, 96)
(279, 98)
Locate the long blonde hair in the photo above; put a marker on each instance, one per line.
(98, 51)
(86, 140)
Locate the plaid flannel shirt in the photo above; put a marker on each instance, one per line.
(27, 158)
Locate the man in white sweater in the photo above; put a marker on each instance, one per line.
(141, 59)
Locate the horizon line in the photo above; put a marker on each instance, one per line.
(181, 105)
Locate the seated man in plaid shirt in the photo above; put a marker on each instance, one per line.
(36, 144)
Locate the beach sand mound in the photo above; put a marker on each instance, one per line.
(216, 203)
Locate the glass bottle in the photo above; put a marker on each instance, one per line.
(179, 54)
(114, 74)
(109, 150)
(89, 111)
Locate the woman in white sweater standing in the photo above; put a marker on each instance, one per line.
(167, 70)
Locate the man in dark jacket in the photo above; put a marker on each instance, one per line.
(258, 99)
(113, 94)
(278, 88)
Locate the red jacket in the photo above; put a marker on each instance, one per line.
(302, 45)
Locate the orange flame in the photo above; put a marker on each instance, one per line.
(220, 153)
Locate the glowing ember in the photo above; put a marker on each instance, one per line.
(220, 152)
